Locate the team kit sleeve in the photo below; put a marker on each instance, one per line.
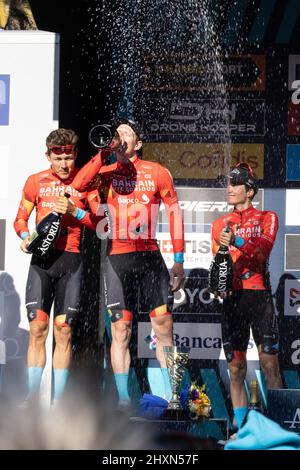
(86, 176)
(90, 219)
(170, 200)
(257, 250)
(26, 207)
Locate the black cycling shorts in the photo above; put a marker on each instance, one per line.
(58, 279)
(137, 281)
(245, 309)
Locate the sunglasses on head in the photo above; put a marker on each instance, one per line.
(61, 149)
(236, 181)
(245, 166)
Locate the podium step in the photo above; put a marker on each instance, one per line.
(217, 428)
(284, 408)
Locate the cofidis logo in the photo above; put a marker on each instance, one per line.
(4, 99)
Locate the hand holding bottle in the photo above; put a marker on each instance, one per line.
(65, 206)
(226, 237)
(25, 243)
(177, 277)
(105, 136)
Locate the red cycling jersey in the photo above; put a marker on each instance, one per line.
(258, 230)
(42, 190)
(133, 194)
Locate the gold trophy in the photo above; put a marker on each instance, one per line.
(176, 359)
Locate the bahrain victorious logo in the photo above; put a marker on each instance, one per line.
(16, 14)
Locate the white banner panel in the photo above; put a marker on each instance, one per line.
(29, 80)
(292, 211)
(292, 252)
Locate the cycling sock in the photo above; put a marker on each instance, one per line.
(122, 387)
(240, 414)
(167, 385)
(60, 381)
(34, 378)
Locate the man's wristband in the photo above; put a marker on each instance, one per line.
(80, 213)
(178, 257)
(24, 235)
(239, 242)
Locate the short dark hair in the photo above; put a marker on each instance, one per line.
(132, 124)
(61, 137)
(242, 173)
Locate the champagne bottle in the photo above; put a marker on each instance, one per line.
(221, 271)
(104, 136)
(46, 233)
(254, 403)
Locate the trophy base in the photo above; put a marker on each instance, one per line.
(175, 415)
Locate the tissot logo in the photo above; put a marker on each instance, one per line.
(4, 99)
(197, 249)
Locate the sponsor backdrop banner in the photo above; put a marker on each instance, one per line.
(192, 117)
(180, 72)
(204, 339)
(28, 113)
(204, 161)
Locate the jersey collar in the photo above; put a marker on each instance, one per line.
(245, 212)
(132, 160)
(67, 181)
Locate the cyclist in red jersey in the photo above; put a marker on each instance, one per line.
(58, 277)
(134, 190)
(250, 239)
